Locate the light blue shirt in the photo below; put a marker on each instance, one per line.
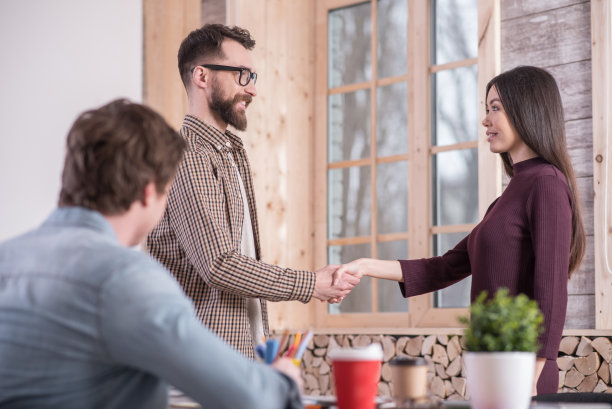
(87, 323)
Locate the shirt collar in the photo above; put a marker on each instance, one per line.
(217, 138)
(81, 217)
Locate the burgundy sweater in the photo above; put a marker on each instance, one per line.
(522, 243)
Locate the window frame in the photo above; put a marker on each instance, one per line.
(421, 313)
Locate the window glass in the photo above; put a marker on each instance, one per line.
(348, 126)
(390, 298)
(456, 106)
(455, 195)
(456, 30)
(458, 294)
(349, 37)
(392, 119)
(392, 43)
(360, 299)
(349, 202)
(392, 197)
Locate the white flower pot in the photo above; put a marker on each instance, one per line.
(499, 380)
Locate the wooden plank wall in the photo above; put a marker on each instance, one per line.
(166, 23)
(280, 137)
(556, 34)
(214, 12)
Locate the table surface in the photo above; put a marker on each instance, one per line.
(178, 400)
(538, 405)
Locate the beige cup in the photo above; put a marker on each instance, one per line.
(409, 378)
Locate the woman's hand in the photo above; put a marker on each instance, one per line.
(386, 269)
(354, 268)
(371, 267)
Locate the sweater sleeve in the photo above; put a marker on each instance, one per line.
(549, 212)
(430, 274)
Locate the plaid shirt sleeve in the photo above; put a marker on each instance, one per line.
(198, 215)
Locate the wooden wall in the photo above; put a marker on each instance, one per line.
(280, 137)
(556, 34)
(166, 23)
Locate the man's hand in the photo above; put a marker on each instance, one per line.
(333, 290)
(286, 366)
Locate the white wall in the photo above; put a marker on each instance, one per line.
(58, 58)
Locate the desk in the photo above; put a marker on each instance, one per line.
(537, 405)
(177, 400)
(328, 402)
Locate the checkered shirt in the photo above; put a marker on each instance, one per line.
(199, 238)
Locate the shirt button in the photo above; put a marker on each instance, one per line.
(229, 145)
(219, 147)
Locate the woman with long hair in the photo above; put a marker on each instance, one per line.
(531, 238)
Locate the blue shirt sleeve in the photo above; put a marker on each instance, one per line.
(148, 323)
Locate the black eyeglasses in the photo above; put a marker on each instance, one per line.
(245, 74)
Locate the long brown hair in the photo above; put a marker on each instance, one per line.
(531, 100)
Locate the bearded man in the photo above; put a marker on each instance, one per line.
(208, 237)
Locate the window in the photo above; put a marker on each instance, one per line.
(454, 142)
(398, 91)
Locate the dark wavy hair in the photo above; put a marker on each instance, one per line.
(532, 101)
(113, 152)
(205, 42)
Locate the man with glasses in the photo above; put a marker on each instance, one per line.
(208, 237)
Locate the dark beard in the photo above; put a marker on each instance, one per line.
(226, 108)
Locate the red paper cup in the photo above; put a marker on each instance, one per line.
(356, 375)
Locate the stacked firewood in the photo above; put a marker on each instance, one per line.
(441, 351)
(585, 365)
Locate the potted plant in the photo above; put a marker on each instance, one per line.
(501, 339)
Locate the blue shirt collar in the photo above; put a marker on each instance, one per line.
(81, 217)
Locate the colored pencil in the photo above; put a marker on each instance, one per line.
(283, 343)
(303, 345)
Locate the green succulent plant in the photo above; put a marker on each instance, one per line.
(503, 323)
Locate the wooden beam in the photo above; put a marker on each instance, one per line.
(453, 65)
(374, 148)
(601, 32)
(455, 146)
(166, 24)
(320, 148)
(489, 65)
(419, 131)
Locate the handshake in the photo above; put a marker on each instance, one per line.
(334, 282)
